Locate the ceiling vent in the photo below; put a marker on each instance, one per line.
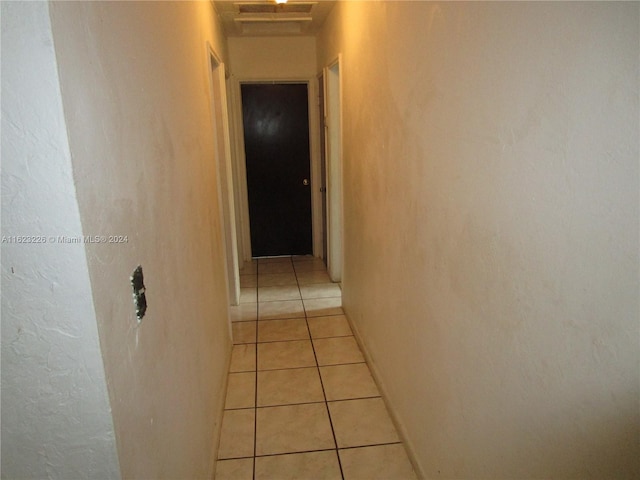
(266, 18)
(271, 8)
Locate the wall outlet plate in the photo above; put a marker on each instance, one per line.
(139, 297)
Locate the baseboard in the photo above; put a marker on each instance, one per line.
(383, 391)
(218, 415)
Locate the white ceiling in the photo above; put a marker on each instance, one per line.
(265, 17)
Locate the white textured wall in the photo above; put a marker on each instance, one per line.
(491, 229)
(272, 57)
(56, 421)
(135, 85)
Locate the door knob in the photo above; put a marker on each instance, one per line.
(305, 181)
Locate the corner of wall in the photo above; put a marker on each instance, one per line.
(56, 417)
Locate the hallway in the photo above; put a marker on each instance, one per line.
(487, 215)
(316, 412)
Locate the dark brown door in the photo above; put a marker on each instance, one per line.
(276, 142)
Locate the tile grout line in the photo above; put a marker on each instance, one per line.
(255, 393)
(297, 339)
(298, 453)
(324, 394)
(317, 367)
(355, 447)
(299, 368)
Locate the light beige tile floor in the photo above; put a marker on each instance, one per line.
(301, 401)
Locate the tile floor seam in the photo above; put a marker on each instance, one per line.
(263, 455)
(298, 368)
(281, 299)
(286, 368)
(338, 364)
(274, 319)
(352, 399)
(326, 404)
(255, 395)
(234, 458)
(278, 318)
(287, 341)
(371, 445)
(285, 405)
(296, 340)
(267, 342)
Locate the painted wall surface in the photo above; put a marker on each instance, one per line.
(272, 57)
(135, 87)
(491, 179)
(56, 421)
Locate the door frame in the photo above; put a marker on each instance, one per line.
(323, 163)
(224, 170)
(332, 81)
(239, 161)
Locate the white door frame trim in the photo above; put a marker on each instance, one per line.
(333, 152)
(224, 171)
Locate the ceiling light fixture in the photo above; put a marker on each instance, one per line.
(279, 2)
